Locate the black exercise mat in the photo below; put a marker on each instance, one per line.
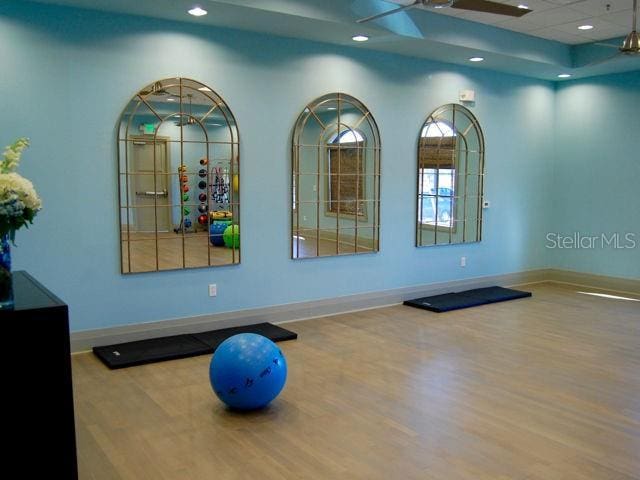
(181, 346)
(274, 333)
(496, 294)
(445, 302)
(466, 299)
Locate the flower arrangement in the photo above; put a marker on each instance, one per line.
(19, 202)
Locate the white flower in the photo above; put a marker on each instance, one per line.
(12, 154)
(13, 184)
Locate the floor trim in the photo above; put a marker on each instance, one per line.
(590, 280)
(86, 339)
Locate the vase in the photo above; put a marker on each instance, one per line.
(6, 281)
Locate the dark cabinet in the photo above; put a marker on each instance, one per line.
(36, 360)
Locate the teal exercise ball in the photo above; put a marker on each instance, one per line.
(247, 371)
(231, 236)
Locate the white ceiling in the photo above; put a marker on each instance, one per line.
(419, 33)
(557, 19)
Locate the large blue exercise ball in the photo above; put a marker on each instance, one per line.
(247, 371)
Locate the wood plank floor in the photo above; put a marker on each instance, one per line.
(545, 388)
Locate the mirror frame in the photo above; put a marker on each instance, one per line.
(126, 133)
(439, 115)
(323, 145)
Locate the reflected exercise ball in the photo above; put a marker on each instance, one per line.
(216, 232)
(231, 236)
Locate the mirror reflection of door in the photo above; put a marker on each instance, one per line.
(179, 183)
(149, 189)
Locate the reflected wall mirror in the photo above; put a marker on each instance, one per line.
(335, 179)
(450, 178)
(179, 185)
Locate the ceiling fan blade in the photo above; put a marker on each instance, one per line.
(490, 7)
(389, 12)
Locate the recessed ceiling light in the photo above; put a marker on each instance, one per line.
(331, 108)
(564, 75)
(170, 99)
(204, 89)
(476, 59)
(522, 6)
(359, 38)
(197, 11)
(585, 27)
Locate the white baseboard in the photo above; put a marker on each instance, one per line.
(603, 282)
(86, 339)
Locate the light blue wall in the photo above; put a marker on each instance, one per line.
(67, 74)
(597, 173)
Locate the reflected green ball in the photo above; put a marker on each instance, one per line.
(231, 236)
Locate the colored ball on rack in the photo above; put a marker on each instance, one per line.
(203, 219)
(186, 211)
(185, 187)
(231, 236)
(184, 179)
(187, 222)
(185, 197)
(202, 185)
(202, 173)
(204, 161)
(202, 208)
(182, 168)
(247, 371)
(202, 197)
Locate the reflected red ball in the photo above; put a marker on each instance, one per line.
(203, 219)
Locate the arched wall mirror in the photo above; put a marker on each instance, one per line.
(335, 179)
(179, 186)
(450, 178)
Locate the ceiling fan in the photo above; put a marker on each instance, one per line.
(631, 44)
(184, 118)
(155, 89)
(485, 6)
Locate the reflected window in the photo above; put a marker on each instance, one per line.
(346, 170)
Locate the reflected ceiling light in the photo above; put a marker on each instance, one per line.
(585, 27)
(197, 11)
(204, 89)
(359, 38)
(522, 6)
(170, 99)
(564, 75)
(476, 59)
(331, 108)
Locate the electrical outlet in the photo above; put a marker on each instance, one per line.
(213, 290)
(463, 262)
